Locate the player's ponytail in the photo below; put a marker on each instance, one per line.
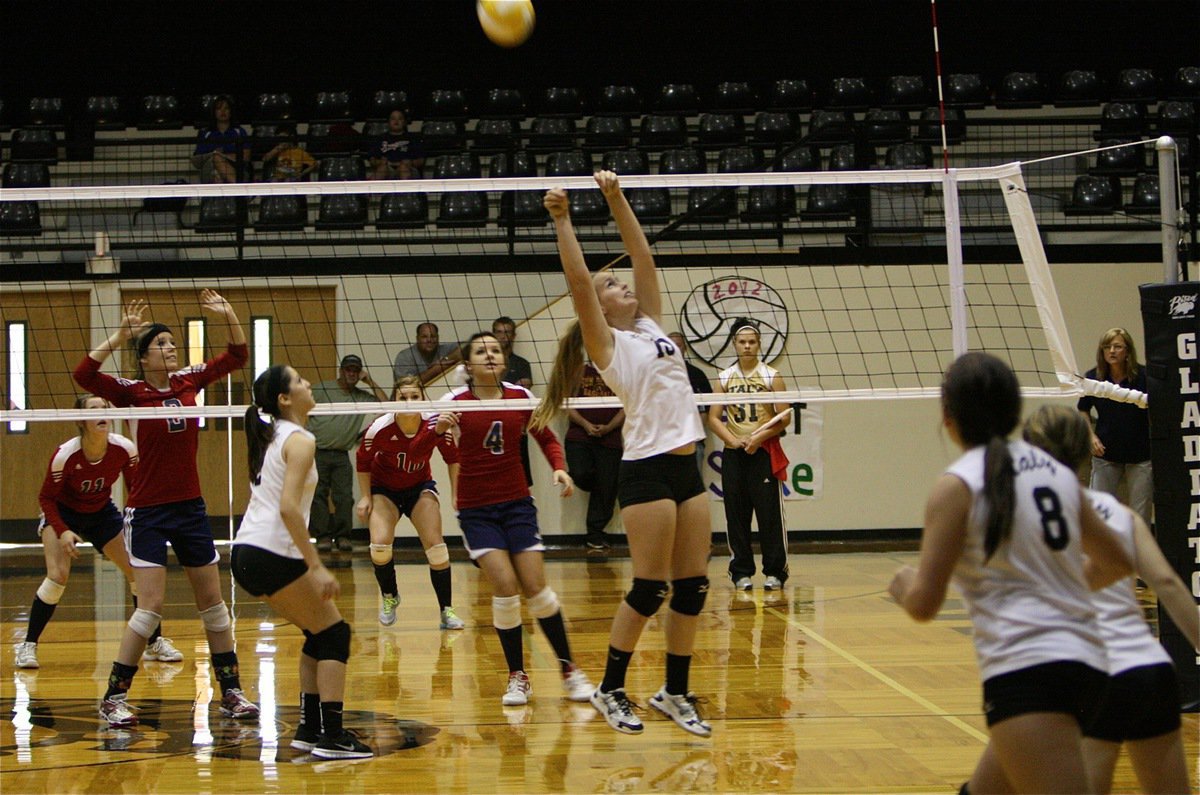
(981, 395)
(269, 385)
(565, 377)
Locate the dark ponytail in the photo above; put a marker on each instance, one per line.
(269, 385)
(981, 394)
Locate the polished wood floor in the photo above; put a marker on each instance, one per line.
(825, 687)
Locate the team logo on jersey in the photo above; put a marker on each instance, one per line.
(712, 310)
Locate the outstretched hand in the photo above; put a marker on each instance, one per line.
(211, 301)
(609, 185)
(556, 203)
(134, 323)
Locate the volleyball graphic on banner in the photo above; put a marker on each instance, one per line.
(710, 314)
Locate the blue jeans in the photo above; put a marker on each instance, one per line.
(1106, 476)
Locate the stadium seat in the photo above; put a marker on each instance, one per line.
(734, 97)
(662, 131)
(720, 204)
(47, 112)
(524, 207)
(905, 92)
(460, 208)
(626, 161)
(718, 130)
(443, 135)
(619, 101)
(1094, 195)
(831, 126)
(966, 91)
(220, 214)
(790, 95)
(1144, 198)
(651, 205)
(568, 164)
(908, 155)
(828, 203)
(333, 140)
(403, 211)
(1078, 88)
(1186, 85)
(331, 107)
(846, 157)
(495, 135)
(887, 126)
(503, 103)
(342, 211)
(34, 145)
(1176, 117)
(383, 102)
(374, 129)
(608, 132)
(1123, 118)
(1136, 85)
(677, 98)
(1123, 162)
(264, 137)
(104, 113)
(552, 133)
(775, 127)
(273, 108)
(587, 206)
(929, 129)
(563, 101)
(849, 94)
(775, 203)
(5, 125)
(162, 112)
(23, 218)
(447, 104)
(1020, 90)
(282, 214)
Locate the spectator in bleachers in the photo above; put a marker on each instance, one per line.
(397, 154)
(288, 161)
(428, 357)
(222, 151)
(519, 372)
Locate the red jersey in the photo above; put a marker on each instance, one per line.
(489, 451)
(82, 485)
(168, 446)
(396, 460)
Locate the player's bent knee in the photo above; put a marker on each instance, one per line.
(646, 596)
(50, 591)
(506, 612)
(438, 555)
(144, 622)
(688, 595)
(331, 643)
(216, 618)
(544, 603)
(381, 554)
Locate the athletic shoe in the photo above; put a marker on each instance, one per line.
(744, 584)
(599, 541)
(345, 545)
(234, 704)
(578, 686)
(306, 738)
(387, 613)
(162, 650)
(772, 583)
(450, 620)
(518, 690)
(344, 746)
(324, 545)
(26, 654)
(617, 709)
(117, 712)
(682, 710)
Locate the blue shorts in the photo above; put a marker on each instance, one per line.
(95, 528)
(183, 524)
(406, 499)
(508, 525)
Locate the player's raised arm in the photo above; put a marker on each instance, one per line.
(645, 277)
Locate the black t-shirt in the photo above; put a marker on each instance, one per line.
(394, 148)
(700, 383)
(1122, 427)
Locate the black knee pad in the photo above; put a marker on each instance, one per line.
(331, 643)
(646, 596)
(688, 595)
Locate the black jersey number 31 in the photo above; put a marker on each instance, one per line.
(1054, 524)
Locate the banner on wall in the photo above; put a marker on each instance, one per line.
(802, 444)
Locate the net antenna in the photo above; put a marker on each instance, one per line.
(937, 63)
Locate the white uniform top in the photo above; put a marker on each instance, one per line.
(1029, 603)
(1127, 636)
(648, 374)
(261, 525)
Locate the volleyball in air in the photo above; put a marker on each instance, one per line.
(506, 22)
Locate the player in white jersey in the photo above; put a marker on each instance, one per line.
(663, 504)
(273, 557)
(1024, 547)
(1141, 703)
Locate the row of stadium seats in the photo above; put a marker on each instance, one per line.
(1074, 88)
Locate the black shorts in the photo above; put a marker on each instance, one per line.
(1140, 703)
(406, 499)
(96, 528)
(659, 477)
(261, 572)
(1070, 687)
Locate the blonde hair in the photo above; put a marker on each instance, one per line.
(565, 377)
(1061, 431)
(1131, 360)
(408, 380)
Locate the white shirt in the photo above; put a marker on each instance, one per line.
(262, 525)
(1029, 603)
(648, 374)
(1127, 636)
